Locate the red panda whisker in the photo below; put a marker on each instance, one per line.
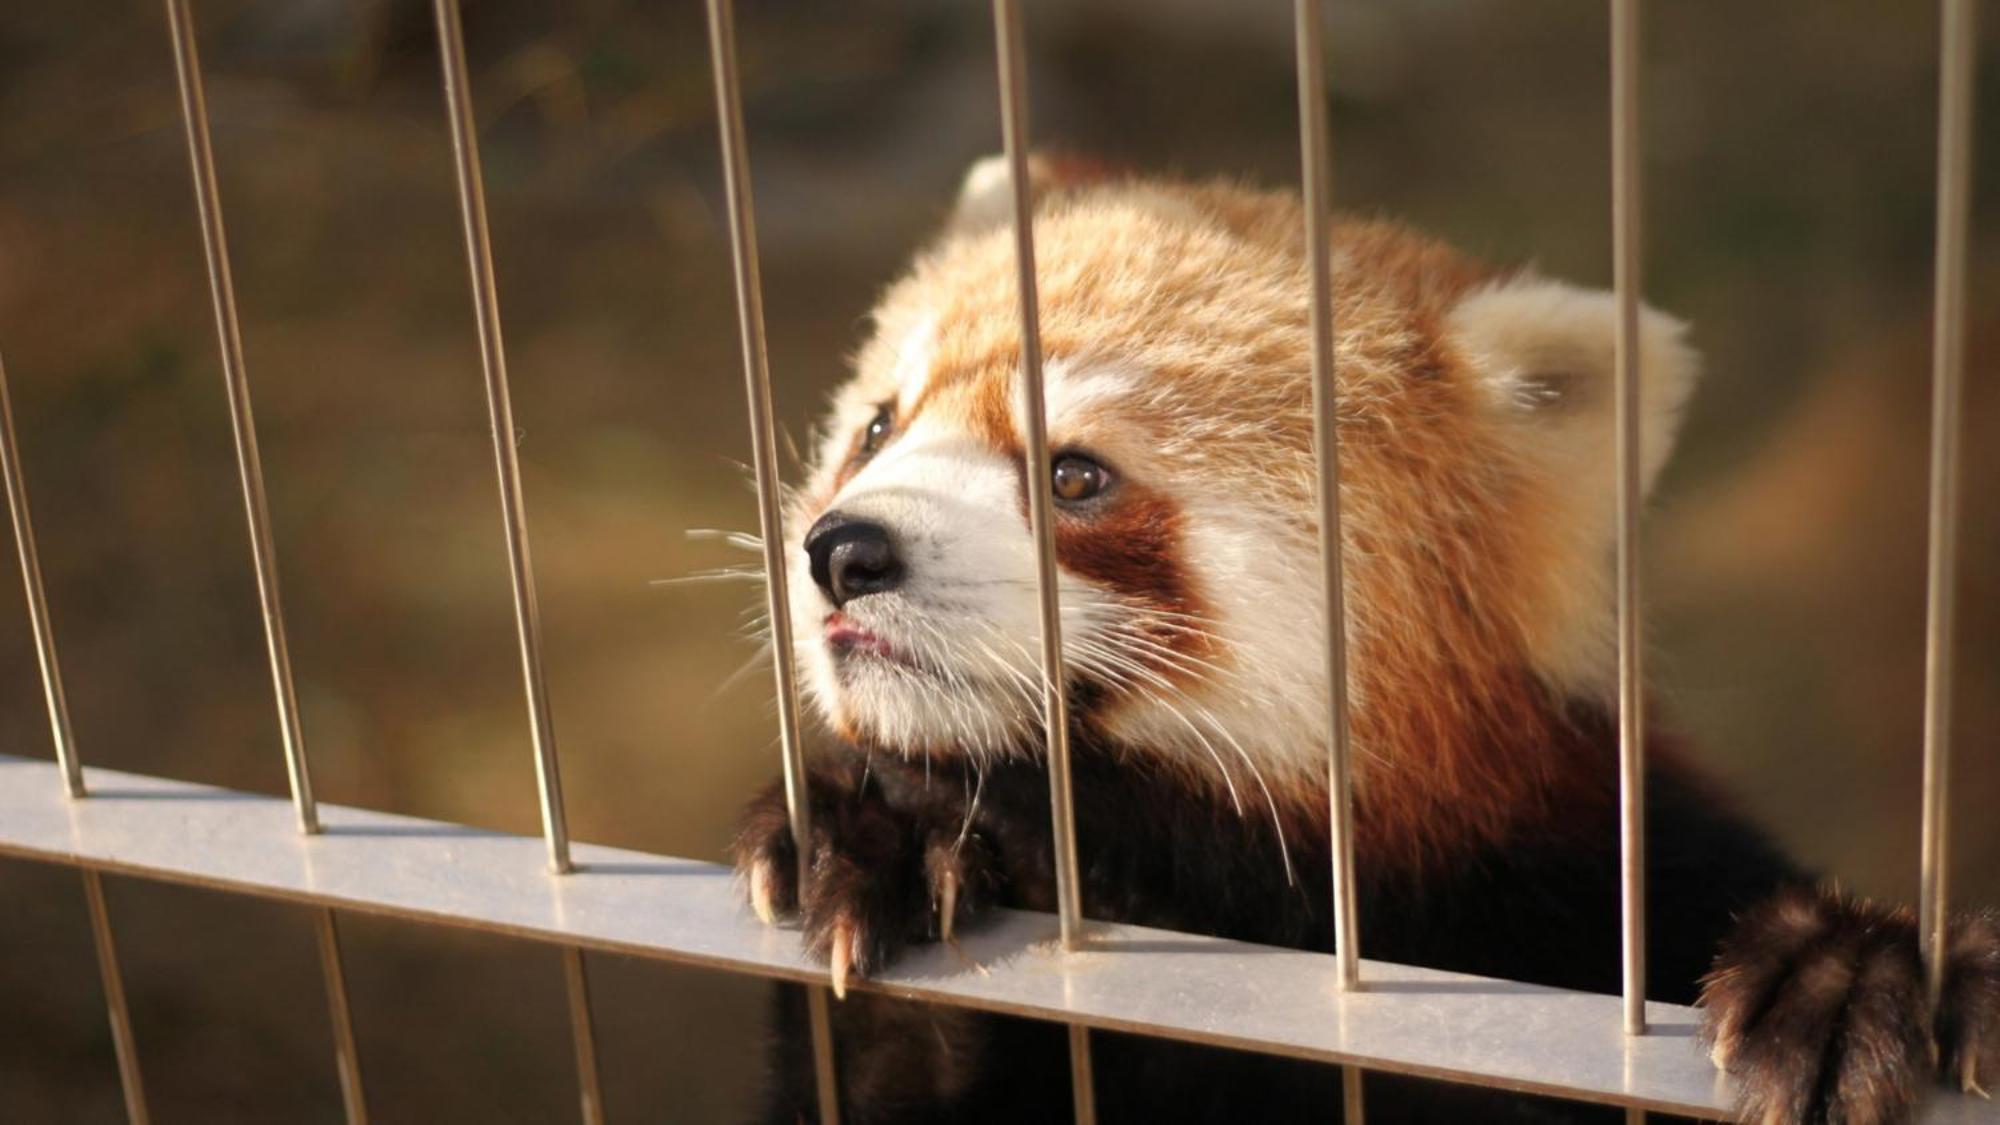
(1175, 692)
(1184, 661)
(1195, 665)
(1270, 802)
(741, 540)
(1120, 670)
(762, 654)
(971, 807)
(753, 575)
(1139, 644)
(1222, 731)
(1014, 678)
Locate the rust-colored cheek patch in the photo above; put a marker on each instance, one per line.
(1134, 545)
(1131, 544)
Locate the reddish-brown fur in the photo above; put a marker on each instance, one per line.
(1462, 736)
(1473, 413)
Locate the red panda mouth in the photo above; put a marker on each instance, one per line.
(849, 638)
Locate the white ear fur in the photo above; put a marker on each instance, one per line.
(1545, 353)
(986, 197)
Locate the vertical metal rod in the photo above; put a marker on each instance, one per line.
(500, 409)
(346, 1058)
(1011, 48)
(122, 1042)
(1353, 1108)
(263, 552)
(826, 1081)
(770, 514)
(583, 1034)
(249, 463)
(38, 603)
(1625, 239)
(1314, 146)
(1954, 192)
(1082, 1075)
(72, 767)
(1035, 440)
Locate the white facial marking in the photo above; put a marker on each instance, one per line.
(1071, 392)
(959, 673)
(913, 360)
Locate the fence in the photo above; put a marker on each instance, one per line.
(1332, 1008)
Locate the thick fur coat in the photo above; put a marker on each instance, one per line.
(1475, 431)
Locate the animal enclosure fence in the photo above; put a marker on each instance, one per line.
(1331, 1008)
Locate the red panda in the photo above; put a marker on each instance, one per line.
(1474, 414)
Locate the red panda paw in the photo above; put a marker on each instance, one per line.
(880, 877)
(1968, 1018)
(1817, 1008)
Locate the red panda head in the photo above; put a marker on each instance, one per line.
(1475, 419)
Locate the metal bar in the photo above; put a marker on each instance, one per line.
(249, 463)
(1954, 194)
(263, 551)
(1353, 1109)
(583, 1035)
(1180, 986)
(826, 1080)
(122, 1043)
(1082, 1075)
(520, 564)
(1011, 49)
(1625, 238)
(1314, 146)
(1035, 440)
(38, 603)
(68, 765)
(500, 409)
(346, 1056)
(770, 513)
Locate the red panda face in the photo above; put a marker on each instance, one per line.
(1475, 435)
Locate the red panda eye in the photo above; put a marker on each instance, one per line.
(1077, 478)
(877, 434)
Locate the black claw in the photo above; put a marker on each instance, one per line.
(882, 875)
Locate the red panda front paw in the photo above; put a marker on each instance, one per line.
(879, 878)
(1817, 1007)
(1968, 1018)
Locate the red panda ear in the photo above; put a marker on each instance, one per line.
(986, 196)
(1543, 352)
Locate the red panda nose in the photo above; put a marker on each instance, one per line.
(852, 558)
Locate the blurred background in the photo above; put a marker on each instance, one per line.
(1790, 151)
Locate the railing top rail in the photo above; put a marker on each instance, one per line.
(1180, 986)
